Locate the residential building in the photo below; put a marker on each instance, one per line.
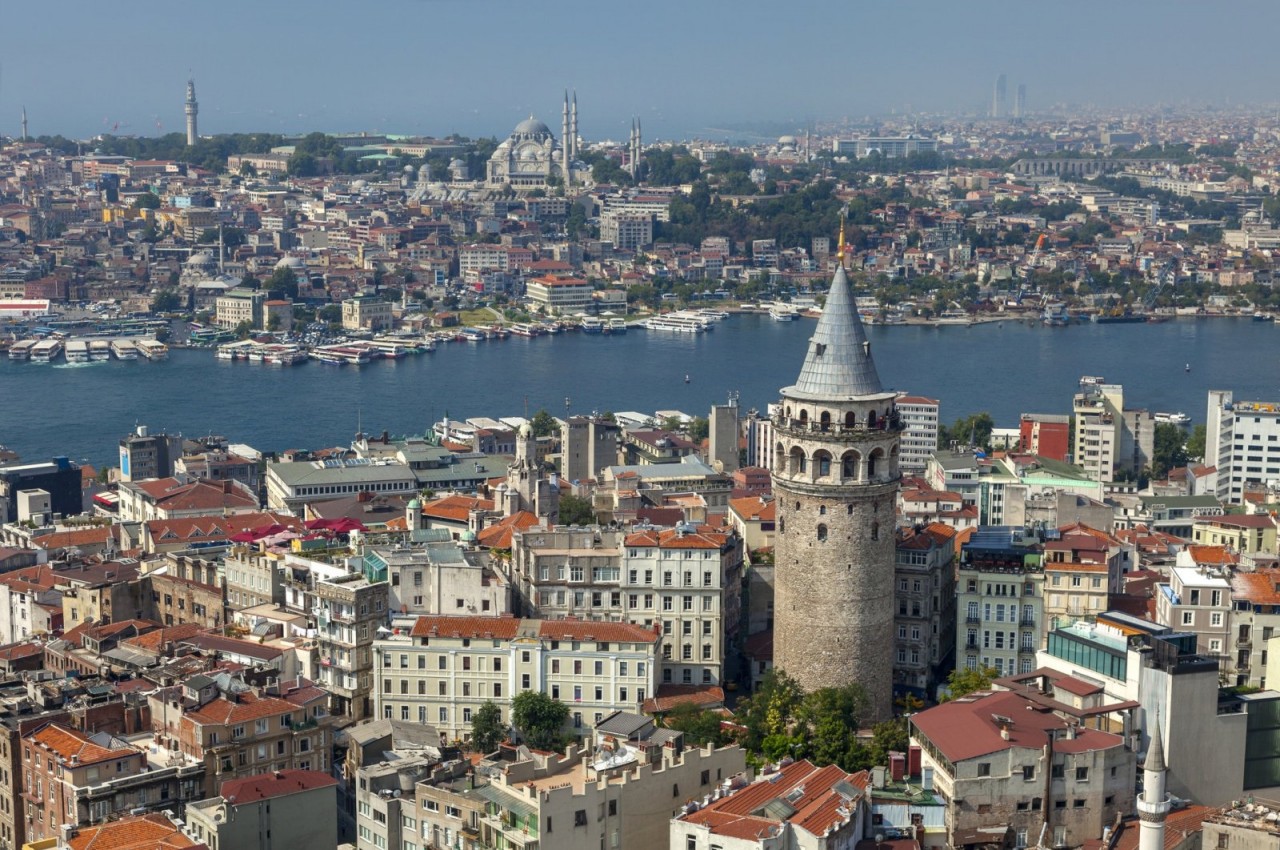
(1246, 534)
(236, 731)
(1046, 435)
(145, 455)
(619, 791)
(1243, 440)
(169, 498)
(75, 779)
(999, 600)
(627, 231)
(1111, 441)
(989, 755)
(437, 578)
(366, 314)
(797, 805)
(60, 478)
(286, 808)
(925, 616)
(157, 829)
(444, 668)
(1083, 569)
(349, 609)
(589, 445)
(252, 578)
(559, 295)
(1197, 599)
(919, 431)
(386, 814)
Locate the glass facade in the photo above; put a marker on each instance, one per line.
(1102, 660)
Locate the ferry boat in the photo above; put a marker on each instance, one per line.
(1180, 419)
(284, 355)
(783, 313)
(954, 317)
(676, 324)
(499, 332)
(387, 349)
(77, 351)
(124, 349)
(474, 334)
(152, 349)
(708, 324)
(718, 315)
(616, 326)
(46, 351)
(21, 350)
(592, 325)
(348, 354)
(99, 350)
(526, 330)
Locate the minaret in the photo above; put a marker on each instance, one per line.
(1153, 805)
(192, 108)
(24, 123)
(566, 145)
(835, 483)
(573, 128)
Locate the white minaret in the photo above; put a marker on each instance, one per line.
(566, 147)
(1153, 806)
(573, 127)
(24, 123)
(192, 109)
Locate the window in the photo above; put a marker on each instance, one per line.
(1057, 772)
(1028, 772)
(984, 768)
(1082, 774)
(1188, 618)
(580, 817)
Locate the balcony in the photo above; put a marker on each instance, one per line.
(972, 619)
(1029, 622)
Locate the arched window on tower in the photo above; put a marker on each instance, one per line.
(779, 458)
(875, 531)
(782, 525)
(804, 416)
(822, 510)
(822, 463)
(871, 464)
(850, 419)
(798, 461)
(871, 419)
(824, 421)
(822, 533)
(849, 465)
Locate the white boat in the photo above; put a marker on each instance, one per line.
(21, 350)
(152, 349)
(675, 324)
(124, 349)
(99, 350)
(46, 351)
(717, 315)
(616, 326)
(77, 351)
(592, 325)
(1180, 419)
(954, 317)
(783, 313)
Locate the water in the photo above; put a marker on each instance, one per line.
(1007, 369)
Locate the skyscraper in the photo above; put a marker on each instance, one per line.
(192, 108)
(835, 483)
(1000, 98)
(1020, 101)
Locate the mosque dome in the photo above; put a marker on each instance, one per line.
(290, 262)
(456, 163)
(531, 127)
(415, 505)
(201, 258)
(787, 141)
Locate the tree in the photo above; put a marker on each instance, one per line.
(825, 718)
(540, 718)
(890, 736)
(487, 728)
(331, 313)
(166, 301)
(699, 429)
(575, 510)
(699, 725)
(1169, 448)
(146, 201)
(544, 424)
(671, 423)
(768, 711)
(283, 283)
(1195, 443)
(963, 681)
(972, 430)
(243, 330)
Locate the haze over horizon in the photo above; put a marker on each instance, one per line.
(436, 67)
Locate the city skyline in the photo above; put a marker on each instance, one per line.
(701, 73)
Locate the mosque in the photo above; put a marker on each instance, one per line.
(530, 157)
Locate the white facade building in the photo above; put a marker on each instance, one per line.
(920, 431)
(1243, 440)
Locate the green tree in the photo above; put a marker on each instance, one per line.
(769, 710)
(487, 728)
(1170, 448)
(243, 330)
(544, 424)
(283, 283)
(671, 423)
(972, 430)
(963, 681)
(146, 201)
(890, 736)
(540, 719)
(167, 301)
(1195, 443)
(699, 429)
(699, 725)
(575, 510)
(825, 718)
(331, 313)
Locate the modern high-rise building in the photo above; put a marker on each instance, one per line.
(1000, 98)
(1243, 440)
(192, 109)
(1020, 101)
(920, 431)
(835, 483)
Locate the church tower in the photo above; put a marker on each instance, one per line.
(192, 109)
(527, 488)
(1153, 805)
(835, 481)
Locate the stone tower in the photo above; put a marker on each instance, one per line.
(1153, 805)
(527, 488)
(835, 481)
(192, 109)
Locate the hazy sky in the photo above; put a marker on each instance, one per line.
(479, 66)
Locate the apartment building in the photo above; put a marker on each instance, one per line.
(627, 231)
(558, 295)
(1083, 568)
(348, 611)
(1111, 441)
(920, 432)
(1197, 599)
(999, 600)
(366, 314)
(265, 811)
(686, 579)
(445, 668)
(1243, 440)
(925, 596)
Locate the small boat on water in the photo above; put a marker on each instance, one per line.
(783, 313)
(592, 325)
(616, 326)
(1180, 419)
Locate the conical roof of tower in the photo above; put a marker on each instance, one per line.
(1155, 753)
(838, 363)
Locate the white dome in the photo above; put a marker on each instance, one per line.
(532, 127)
(290, 262)
(786, 141)
(201, 258)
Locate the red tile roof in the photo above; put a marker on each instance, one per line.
(669, 696)
(501, 533)
(671, 538)
(456, 508)
(501, 628)
(268, 786)
(146, 832)
(810, 790)
(965, 728)
(1261, 587)
(596, 630)
(68, 743)
(247, 706)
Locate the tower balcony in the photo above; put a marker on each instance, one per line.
(891, 425)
